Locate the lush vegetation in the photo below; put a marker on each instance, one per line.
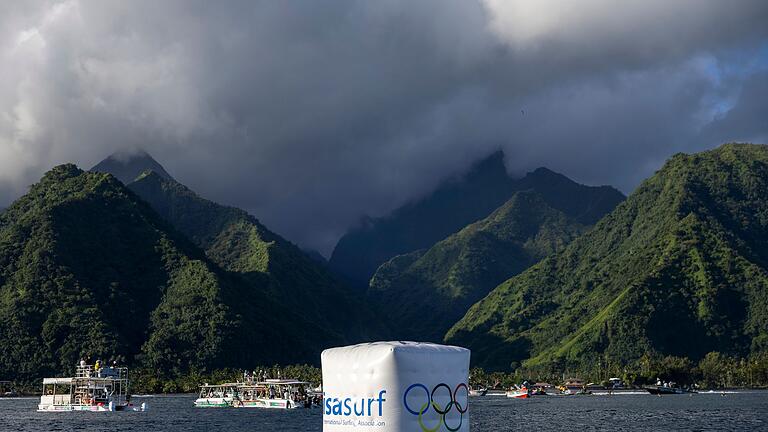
(433, 289)
(673, 283)
(261, 259)
(679, 269)
(87, 268)
(454, 205)
(714, 371)
(147, 381)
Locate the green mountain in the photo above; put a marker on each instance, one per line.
(432, 289)
(454, 205)
(239, 243)
(88, 268)
(680, 268)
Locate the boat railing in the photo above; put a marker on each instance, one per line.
(84, 371)
(89, 371)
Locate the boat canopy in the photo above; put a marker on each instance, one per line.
(220, 385)
(58, 381)
(281, 382)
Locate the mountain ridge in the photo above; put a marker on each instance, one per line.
(237, 242)
(678, 269)
(453, 205)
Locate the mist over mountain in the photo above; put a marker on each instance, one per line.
(454, 205)
(274, 178)
(127, 166)
(680, 268)
(346, 108)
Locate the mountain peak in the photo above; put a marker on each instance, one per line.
(492, 166)
(67, 170)
(128, 165)
(544, 175)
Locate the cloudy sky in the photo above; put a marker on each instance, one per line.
(310, 114)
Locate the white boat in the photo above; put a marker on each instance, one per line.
(217, 395)
(273, 393)
(478, 391)
(91, 389)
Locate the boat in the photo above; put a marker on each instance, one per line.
(217, 395)
(95, 389)
(276, 394)
(662, 390)
(478, 391)
(7, 390)
(521, 393)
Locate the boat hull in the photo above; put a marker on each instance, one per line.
(267, 404)
(213, 402)
(518, 395)
(665, 391)
(89, 408)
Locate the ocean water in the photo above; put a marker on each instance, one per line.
(746, 411)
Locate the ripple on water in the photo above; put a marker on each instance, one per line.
(742, 411)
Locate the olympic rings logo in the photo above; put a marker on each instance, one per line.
(429, 401)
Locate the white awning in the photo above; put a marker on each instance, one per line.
(282, 382)
(59, 381)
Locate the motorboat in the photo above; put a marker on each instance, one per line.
(667, 390)
(521, 393)
(217, 395)
(478, 391)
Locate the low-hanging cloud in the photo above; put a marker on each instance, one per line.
(310, 114)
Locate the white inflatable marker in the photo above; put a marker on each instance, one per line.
(396, 387)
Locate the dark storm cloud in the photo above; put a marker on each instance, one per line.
(310, 114)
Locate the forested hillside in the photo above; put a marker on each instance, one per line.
(87, 268)
(680, 268)
(432, 289)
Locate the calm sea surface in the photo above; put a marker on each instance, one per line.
(735, 411)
